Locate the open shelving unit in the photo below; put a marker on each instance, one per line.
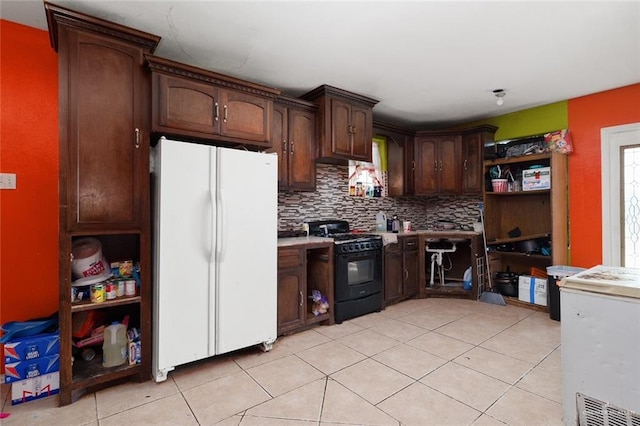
(539, 214)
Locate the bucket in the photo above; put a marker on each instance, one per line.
(499, 185)
(87, 258)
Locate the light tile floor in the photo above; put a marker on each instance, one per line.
(420, 362)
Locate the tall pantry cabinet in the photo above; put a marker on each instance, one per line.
(104, 175)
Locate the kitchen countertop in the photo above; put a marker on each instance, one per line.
(303, 241)
(446, 232)
(451, 233)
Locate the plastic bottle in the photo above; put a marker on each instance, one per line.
(395, 227)
(114, 347)
(466, 278)
(381, 221)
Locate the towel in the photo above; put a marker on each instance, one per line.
(389, 238)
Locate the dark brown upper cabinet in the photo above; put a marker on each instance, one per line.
(195, 103)
(400, 161)
(449, 162)
(294, 139)
(437, 162)
(345, 123)
(473, 143)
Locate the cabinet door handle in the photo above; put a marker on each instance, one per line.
(436, 165)
(226, 114)
(354, 130)
(301, 298)
(413, 165)
(217, 112)
(137, 140)
(291, 150)
(440, 165)
(465, 164)
(284, 146)
(348, 128)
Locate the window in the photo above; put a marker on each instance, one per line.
(366, 179)
(631, 206)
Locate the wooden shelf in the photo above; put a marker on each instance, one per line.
(519, 159)
(518, 254)
(518, 239)
(90, 373)
(518, 193)
(88, 305)
(312, 319)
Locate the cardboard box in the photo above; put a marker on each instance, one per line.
(30, 347)
(532, 290)
(38, 387)
(29, 369)
(534, 179)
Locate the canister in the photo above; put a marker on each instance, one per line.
(111, 290)
(126, 268)
(120, 288)
(97, 293)
(130, 288)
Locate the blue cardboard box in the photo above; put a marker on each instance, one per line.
(31, 347)
(31, 368)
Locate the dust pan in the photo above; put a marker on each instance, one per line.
(489, 296)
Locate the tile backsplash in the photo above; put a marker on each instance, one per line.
(331, 200)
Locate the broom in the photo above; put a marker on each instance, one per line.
(488, 296)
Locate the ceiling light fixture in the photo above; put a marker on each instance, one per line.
(500, 95)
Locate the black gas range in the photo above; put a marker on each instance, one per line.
(346, 242)
(357, 266)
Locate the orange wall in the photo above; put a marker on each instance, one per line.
(587, 115)
(28, 148)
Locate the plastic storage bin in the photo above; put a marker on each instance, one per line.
(556, 273)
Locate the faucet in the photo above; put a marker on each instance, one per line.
(326, 230)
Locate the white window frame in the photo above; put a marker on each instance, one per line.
(612, 139)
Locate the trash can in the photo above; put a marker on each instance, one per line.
(557, 273)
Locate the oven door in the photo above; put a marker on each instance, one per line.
(358, 274)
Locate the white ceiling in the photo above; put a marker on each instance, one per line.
(429, 63)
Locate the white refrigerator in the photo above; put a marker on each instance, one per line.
(215, 252)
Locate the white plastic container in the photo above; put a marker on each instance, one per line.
(114, 347)
(381, 221)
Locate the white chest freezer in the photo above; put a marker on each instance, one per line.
(601, 347)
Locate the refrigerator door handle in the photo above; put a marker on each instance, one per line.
(219, 224)
(212, 226)
(214, 208)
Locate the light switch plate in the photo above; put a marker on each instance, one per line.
(7, 181)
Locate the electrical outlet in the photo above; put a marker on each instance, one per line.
(7, 181)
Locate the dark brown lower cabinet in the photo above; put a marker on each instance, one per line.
(401, 271)
(302, 269)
